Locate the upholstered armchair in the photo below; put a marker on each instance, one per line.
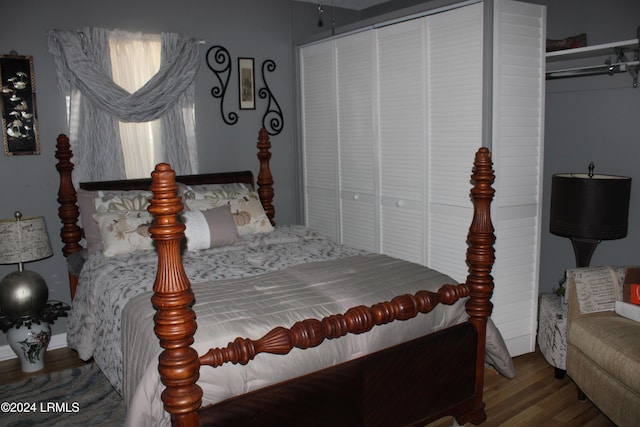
(603, 347)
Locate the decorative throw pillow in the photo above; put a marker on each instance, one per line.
(209, 228)
(107, 201)
(597, 288)
(216, 191)
(124, 232)
(248, 213)
(122, 201)
(89, 225)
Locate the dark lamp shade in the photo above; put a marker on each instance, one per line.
(590, 207)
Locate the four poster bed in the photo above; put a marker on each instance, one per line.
(344, 341)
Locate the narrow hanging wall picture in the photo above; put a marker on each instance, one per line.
(246, 80)
(19, 119)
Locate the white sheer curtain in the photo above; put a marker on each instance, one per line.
(84, 72)
(135, 59)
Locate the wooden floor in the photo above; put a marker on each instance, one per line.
(54, 360)
(533, 398)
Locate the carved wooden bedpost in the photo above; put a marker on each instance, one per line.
(174, 320)
(68, 209)
(480, 258)
(265, 179)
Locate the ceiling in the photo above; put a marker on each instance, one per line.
(347, 4)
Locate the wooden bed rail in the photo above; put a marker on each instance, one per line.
(312, 332)
(175, 323)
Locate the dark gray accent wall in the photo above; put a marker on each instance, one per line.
(248, 28)
(591, 119)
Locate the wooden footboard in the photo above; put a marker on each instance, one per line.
(175, 324)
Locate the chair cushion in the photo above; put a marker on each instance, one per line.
(612, 342)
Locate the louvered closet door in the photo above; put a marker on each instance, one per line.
(518, 132)
(455, 131)
(355, 64)
(402, 81)
(320, 122)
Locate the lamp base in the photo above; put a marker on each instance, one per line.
(584, 249)
(30, 343)
(23, 293)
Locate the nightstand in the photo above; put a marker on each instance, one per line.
(552, 332)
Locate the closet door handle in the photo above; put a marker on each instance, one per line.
(356, 197)
(400, 203)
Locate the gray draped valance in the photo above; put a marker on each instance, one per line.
(83, 65)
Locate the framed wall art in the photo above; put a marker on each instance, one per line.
(18, 105)
(246, 80)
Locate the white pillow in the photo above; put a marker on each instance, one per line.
(87, 208)
(209, 228)
(628, 310)
(124, 232)
(248, 213)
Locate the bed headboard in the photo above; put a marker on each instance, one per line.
(245, 177)
(71, 233)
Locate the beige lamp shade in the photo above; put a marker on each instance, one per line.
(23, 239)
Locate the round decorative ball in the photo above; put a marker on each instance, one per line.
(23, 293)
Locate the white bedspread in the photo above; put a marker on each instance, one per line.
(252, 306)
(107, 286)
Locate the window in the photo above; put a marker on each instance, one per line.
(130, 101)
(135, 58)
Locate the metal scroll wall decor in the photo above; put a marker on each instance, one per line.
(272, 120)
(219, 62)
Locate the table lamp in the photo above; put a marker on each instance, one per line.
(23, 239)
(588, 208)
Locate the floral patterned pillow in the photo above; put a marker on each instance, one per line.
(119, 202)
(124, 232)
(248, 213)
(216, 191)
(105, 201)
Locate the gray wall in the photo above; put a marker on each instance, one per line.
(248, 28)
(589, 118)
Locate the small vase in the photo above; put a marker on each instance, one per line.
(30, 343)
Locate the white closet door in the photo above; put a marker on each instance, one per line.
(391, 120)
(355, 64)
(402, 137)
(320, 123)
(455, 131)
(518, 97)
